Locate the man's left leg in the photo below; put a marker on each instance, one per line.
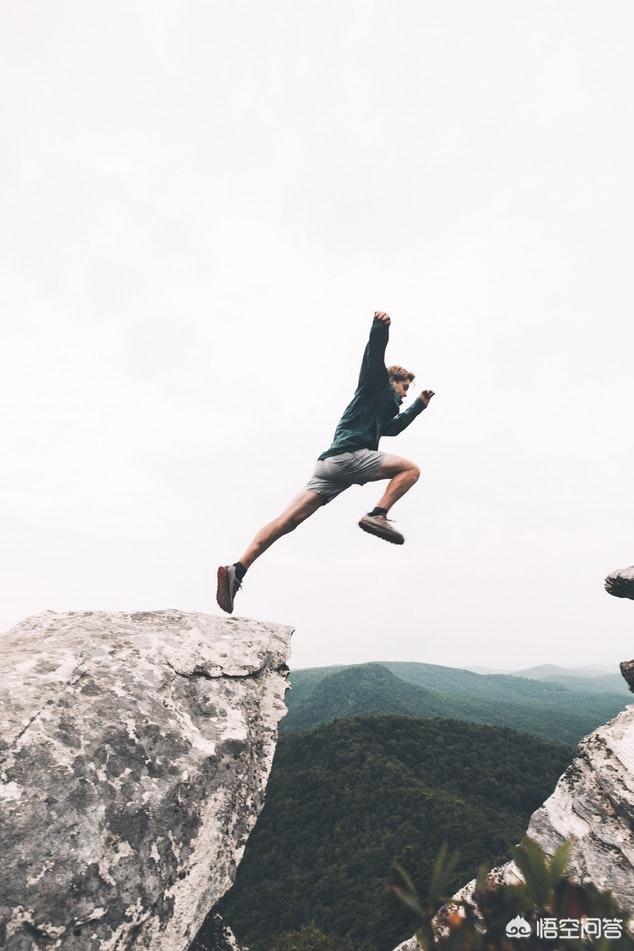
(230, 576)
(302, 507)
(402, 474)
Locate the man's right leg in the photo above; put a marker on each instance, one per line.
(229, 576)
(402, 474)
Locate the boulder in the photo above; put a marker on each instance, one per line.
(134, 755)
(620, 583)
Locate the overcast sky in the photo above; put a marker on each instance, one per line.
(201, 206)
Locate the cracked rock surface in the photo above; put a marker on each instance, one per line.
(134, 755)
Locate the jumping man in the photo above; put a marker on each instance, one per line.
(352, 459)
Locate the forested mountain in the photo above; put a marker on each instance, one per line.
(551, 710)
(348, 798)
(358, 690)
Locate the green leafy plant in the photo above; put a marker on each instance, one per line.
(546, 893)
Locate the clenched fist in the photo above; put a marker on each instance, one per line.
(384, 318)
(425, 397)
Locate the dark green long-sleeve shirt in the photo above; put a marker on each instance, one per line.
(373, 410)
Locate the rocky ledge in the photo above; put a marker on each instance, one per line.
(593, 803)
(134, 755)
(620, 583)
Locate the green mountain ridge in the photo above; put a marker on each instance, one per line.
(364, 689)
(555, 711)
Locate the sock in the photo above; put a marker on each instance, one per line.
(240, 570)
(378, 511)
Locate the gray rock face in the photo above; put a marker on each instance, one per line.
(134, 755)
(410, 945)
(593, 803)
(627, 670)
(620, 583)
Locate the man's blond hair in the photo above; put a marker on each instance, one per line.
(400, 374)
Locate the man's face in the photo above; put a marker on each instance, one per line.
(400, 388)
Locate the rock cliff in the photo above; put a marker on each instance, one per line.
(593, 802)
(134, 755)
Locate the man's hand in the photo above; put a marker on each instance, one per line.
(425, 397)
(384, 318)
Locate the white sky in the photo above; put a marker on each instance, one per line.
(202, 204)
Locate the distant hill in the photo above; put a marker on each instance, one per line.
(596, 679)
(554, 670)
(545, 671)
(347, 799)
(552, 710)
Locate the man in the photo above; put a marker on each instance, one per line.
(352, 459)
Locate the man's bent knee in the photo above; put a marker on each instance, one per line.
(410, 469)
(415, 471)
(396, 466)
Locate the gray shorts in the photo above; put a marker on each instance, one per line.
(337, 473)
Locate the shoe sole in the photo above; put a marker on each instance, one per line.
(223, 594)
(386, 536)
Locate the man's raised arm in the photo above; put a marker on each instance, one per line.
(373, 369)
(398, 423)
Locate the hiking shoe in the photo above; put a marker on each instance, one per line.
(228, 587)
(382, 527)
